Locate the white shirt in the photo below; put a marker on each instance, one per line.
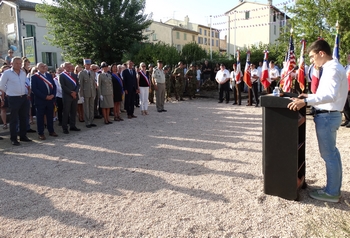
(12, 83)
(273, 73)
(332, 91)
(233, 77)
(199, 72)
(58, 87)
(259, 71)
(254, 72)
(222, 75)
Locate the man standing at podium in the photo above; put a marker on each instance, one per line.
(328, 101)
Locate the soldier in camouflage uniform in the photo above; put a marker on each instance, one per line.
(179, 76)
(191, 75)
(167, 73)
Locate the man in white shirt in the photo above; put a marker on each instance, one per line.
(328, 101)
(274, 75)
(223, 79)
(13, 83)
(254, 89)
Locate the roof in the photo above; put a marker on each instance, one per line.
(23, 5)
(178, 28)
(256, 3)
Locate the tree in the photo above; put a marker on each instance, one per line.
(314, 18)
(192, 52)
(98, 29)
(150, 53)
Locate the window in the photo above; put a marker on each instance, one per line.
(217, 43)
(30, 30)
(212, 42)
(154, 37)
(205, 32)
(274, 30)
(50, 59)
(12, 11)
(247, 13)
(200, 31)
(185, 36)
(177, 35)
(212, 34)
(193, 38)
(274, 16)
(205, 41)
(178, 47)
(200, 40)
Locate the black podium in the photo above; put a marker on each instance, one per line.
(283, 147)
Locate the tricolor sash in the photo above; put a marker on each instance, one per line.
(146, 78)
(43, 78)
(70, 78)
(119, 81)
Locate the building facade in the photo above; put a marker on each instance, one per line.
(169, 34)
(24, 32)
(208, 37)
(251, 23)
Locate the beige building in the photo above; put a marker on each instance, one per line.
(24, 32)
(251, 23)
(207, 36)
(169, 34)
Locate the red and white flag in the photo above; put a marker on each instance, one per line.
(247, 74)
(265, 79)
(238, 72)
(301, 70)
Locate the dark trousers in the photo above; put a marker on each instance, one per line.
(129, 102)
(18, 109)
(69, 111)
(254, 93)
(59, 104)
(224, 88)
(237, 93)
(347, 108)
(44, 109)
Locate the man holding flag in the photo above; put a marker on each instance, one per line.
(265, 79)
(328, 100)
(236, 77)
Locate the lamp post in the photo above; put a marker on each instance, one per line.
(210, 44)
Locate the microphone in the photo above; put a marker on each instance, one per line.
(295, 68)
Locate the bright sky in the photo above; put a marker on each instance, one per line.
(198, 11)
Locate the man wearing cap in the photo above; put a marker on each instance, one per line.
(223, 79)
(70, 88)
(151, 89)
(166, 70)
(179, 76)
(158, 77)
(88, 92)
(192, 81)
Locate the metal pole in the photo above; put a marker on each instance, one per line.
(234, 47)
(211, 46)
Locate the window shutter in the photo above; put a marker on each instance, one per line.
(54, 60)
(43, 59)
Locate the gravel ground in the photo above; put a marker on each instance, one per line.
(194, 171)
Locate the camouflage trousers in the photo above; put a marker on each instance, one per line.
(192, 87)
(178, 88)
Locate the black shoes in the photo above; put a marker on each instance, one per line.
(345, 123)
(98, 117)
(159, 110)
(74, 129)
(163, 110)
(65, 131)
(88, 126)
(220, 101)
(93, 125)
(25, 139)
(31, 131)
(15, 142)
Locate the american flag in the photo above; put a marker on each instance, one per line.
(238, 68)
(336, 45)
(290, 66)
(301, 70)
(247, 74)
(265, 80)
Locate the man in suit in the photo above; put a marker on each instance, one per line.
(130, 88)
(44, 89)
(88, 92)
(70, 87)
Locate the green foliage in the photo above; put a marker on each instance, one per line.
(314, 18)
(192, 52)
(150, 53)
(98, 29)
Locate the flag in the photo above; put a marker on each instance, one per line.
(284, 70)
(336, 45)
(265, 79)
(247, 75)
(290, 66)
(315, 78)
(301, 70)
(238, 68)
